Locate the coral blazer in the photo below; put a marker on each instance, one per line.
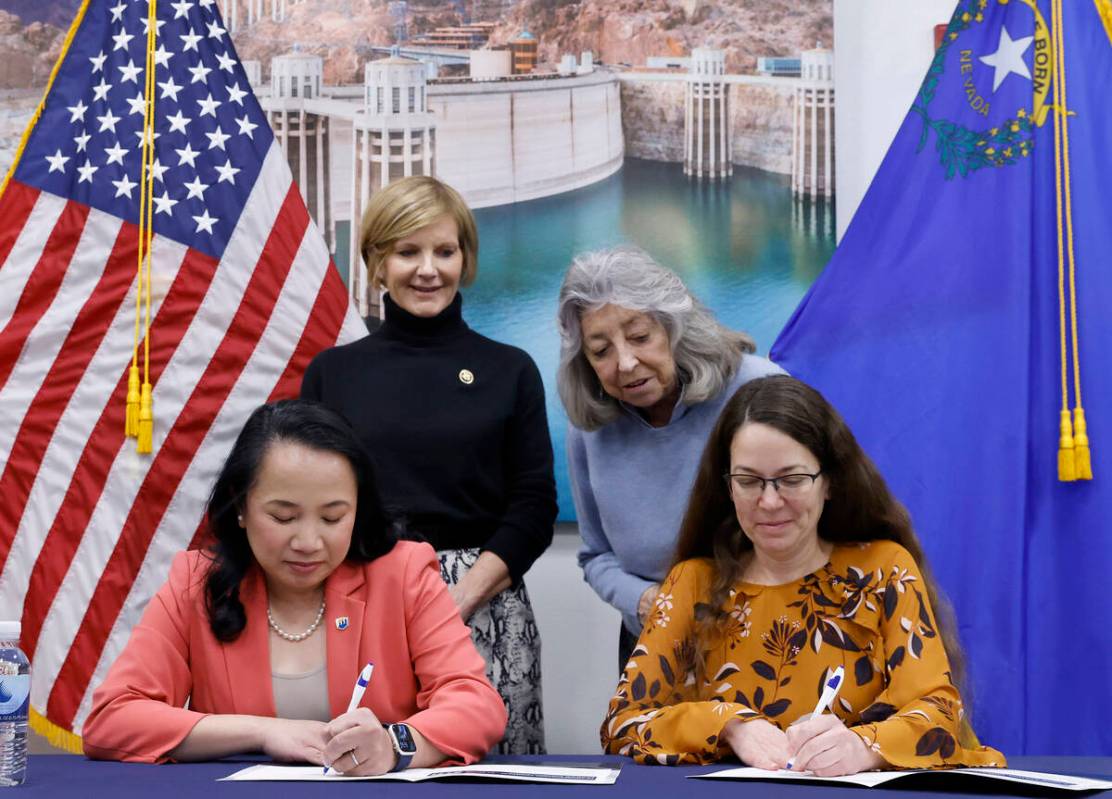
(399, 617)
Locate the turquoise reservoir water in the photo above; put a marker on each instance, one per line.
(743, 246)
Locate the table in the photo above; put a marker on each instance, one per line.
(71, 775)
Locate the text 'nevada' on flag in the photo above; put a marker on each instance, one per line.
(945, 330)
(244, 294)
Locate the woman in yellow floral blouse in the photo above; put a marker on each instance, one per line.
(794, 559)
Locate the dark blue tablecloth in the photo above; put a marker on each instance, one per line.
(71, 775)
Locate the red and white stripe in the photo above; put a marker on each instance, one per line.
(93, 540)
(41, 375)
(22, 241)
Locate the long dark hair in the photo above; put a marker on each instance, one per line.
(860, 507)
(303, 422)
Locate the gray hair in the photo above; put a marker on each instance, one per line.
(706, 353)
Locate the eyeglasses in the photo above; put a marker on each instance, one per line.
(788, 486)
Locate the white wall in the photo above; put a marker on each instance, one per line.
(579, 647)
(882, 49)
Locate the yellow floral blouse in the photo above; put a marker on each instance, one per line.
(866, 610)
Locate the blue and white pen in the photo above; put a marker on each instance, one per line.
(357, 695)
(829, 694)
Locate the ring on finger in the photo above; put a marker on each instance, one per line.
(354, 759)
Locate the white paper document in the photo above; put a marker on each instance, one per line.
(486, 771)
(871, 779)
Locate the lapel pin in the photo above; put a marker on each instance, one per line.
(341, 623)
(466, 377)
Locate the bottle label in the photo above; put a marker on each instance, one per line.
(14, 692)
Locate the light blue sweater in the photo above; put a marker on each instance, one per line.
(630, 482)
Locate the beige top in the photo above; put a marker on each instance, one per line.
(302, 696)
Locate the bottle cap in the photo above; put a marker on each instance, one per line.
(10, 630)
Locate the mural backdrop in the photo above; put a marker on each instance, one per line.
(701, 131)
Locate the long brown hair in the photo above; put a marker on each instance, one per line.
(860, 507)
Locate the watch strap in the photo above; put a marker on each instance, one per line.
(403, 759)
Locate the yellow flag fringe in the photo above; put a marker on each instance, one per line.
(1104, 9)
(58, 737)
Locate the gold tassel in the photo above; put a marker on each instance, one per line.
(1067, 470)
(146, 421)
(131, 423)
(1083, 465)
(58, 737)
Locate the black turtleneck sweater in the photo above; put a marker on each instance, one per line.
(456, 426)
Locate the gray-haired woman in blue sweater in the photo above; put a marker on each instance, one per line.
(644, 370)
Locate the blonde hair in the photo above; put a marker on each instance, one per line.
(407, 205)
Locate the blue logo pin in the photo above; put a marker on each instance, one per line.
(341, 623)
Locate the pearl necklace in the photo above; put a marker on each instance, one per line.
(291, 636)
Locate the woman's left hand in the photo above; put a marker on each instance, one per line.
(478, 584)
(361, 734)
(465, 601)
(827, 748)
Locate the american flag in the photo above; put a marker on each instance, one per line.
(244, 295)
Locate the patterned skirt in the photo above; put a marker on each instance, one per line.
(505, 633)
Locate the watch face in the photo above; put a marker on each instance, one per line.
(404, 739)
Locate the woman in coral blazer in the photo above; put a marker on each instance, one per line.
(256, 644)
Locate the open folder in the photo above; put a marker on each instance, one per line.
(924, 777)
(478, 771)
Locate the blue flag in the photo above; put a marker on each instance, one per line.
(938, 329)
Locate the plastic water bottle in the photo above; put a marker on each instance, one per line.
(15, 693)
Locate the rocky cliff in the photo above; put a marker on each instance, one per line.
(760, 119)
(761, 126)
(629, 31)
(652, 120)
(27, 53)
(16, 108)
(340, 31)
(58, 13)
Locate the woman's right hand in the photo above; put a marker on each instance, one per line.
(647, 601)
(295, 740)
(757, 743)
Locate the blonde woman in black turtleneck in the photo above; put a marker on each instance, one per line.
(456, 425)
